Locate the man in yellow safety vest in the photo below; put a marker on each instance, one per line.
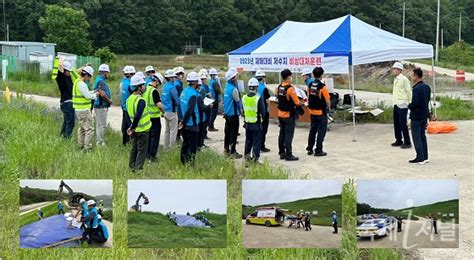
(254, 111)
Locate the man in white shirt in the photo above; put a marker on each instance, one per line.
(401, 99)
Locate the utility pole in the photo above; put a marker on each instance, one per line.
(460, 23)
(437, 31)
(442, 38)
(403, 27)
(4, 21)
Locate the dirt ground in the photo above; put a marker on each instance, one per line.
(370, 157)
(416, 234)
(259, 236)
(28, 208)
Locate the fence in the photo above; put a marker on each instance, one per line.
(37, 69)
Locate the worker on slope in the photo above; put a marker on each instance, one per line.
(254, 111)
(65, 82)
(102, 103)
(81, 100)
(191, 118)
(264, 94)
(149, 71)
(141, 123)
(288, 103)
(155, 110)
(60, 208)
(334, 222)
(232, 111)
(40, 214)
(91, 222)
(101, 206)
(215, 91)
(318, 106)
(171, 107)
(205, 92)
(128, 72)
(101, 234)
(402, 94)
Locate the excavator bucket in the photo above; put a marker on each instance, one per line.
(146, 201)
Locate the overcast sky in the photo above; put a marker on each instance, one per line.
(90, 187)
(400, 194)
(259, 192)
(180, 196)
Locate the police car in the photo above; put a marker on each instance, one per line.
(378, 227)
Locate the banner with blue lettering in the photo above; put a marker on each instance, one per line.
(278, 62)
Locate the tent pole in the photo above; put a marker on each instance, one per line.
(434, 87)
(353, 104)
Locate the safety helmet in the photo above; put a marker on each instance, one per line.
(159, 77)
(67, 66)
(192, 76)
(203, 71)
(149, 68)
(99, 216)
(82, 200)
(170, 73)
(128, 69)
(202, 75)
(104, 68)
(230, 74)
(260, 73)
(136, 80)
(212, 71)
(305, 72)
(178, 70)
(253, 84)
(89, 70)
(398, 65)
(141, 74)
(90, 202)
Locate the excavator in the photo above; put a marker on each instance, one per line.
(74, 197)
(137, 207)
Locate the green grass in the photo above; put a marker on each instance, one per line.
(455, 109)
(149, 229)
(32, 216)
(324, 206)
(436, 209)
(30, 147)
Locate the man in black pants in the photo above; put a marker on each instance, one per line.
(191, 118)
(288, 102)
(265, 95)
(401, 97)
(318, 106)
(64, 81)
(419, 115)
(232, 111)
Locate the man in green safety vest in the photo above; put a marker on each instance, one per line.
(81, 102)
(141, 123)
(155, 110)
(254, 111)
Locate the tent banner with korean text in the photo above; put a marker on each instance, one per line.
(278, 62)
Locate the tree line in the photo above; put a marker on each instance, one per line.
(163, 27)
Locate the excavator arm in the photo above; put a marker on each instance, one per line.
(137, 206)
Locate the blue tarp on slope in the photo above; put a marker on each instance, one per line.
(47, 231)
(187, 221)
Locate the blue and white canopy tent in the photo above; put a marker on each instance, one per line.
(336, 45)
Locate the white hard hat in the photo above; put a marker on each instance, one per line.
(212, 71)
(149, 68)
(99, 216)
(136, 80)
(254, 68)
(141, 74)
(89, 70)
(305, 71)
(260, 73)
(104, 68)
(253, 82)
(67, 66)
(230, 74)
(203, 71)
(398, 65)
(82, 200)
(128, 69)
(334, 212)
(178, 70)
(202, 75)
(159, 77)
(192, 76)
(90, 202)
(170, 73)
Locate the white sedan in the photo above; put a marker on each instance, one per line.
(378, 227)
